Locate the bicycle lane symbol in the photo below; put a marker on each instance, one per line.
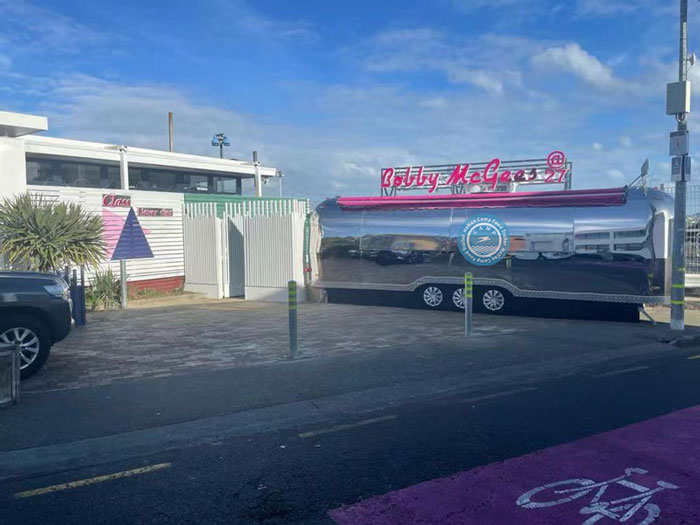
(620, 510)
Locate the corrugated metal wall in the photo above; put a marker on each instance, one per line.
(164, 233)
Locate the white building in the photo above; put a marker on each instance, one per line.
(111, 179)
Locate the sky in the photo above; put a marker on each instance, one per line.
(331, 92)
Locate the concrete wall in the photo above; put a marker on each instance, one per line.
(13, 167)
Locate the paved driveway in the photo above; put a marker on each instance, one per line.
(165, 341)
(155, 342)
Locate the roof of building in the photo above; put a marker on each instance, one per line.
(24, 126)
(19, 124)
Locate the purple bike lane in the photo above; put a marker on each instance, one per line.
(648, 472)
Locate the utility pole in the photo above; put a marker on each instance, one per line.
(258, 179)
(170, 132)
(678, 104)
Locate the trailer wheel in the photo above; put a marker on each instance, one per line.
(458, 298)
(432, 296)
(495, 300)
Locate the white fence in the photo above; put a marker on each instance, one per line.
(203, 249)
(253, 250)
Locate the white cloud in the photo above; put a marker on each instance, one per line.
(25, 26)
(489, 62)
(606, 7)
(5, 62)
(356, 131)
(253, 23)
(516, 8)
(434, 103)
(597, 146)
(625, 141)
(615, 175)
(577, 61)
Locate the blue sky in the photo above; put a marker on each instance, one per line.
(330, 92)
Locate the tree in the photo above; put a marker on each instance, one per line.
(45, 236)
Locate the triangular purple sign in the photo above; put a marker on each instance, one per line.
(132, 243)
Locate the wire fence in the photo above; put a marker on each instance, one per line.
(692, 232)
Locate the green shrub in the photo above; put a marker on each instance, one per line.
(46, 236)
(104, 292)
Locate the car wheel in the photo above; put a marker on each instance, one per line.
(432, 296)
(495, 300)
(33, 338)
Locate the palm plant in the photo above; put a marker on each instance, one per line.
(44, 236)
(104, 291)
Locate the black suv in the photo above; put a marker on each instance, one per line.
(35, 311)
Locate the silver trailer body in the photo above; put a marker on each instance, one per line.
(612, 253)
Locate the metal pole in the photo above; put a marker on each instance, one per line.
(122, 277)
(258, 183)
(468, 304)
(124, 167)
(221, 148)
(678, 256)
(170, 132)
(16, 372)
(292, 302)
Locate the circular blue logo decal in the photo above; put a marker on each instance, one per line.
(484, 240)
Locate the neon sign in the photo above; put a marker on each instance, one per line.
(555, 171)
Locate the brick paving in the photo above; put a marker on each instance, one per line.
(157, 342)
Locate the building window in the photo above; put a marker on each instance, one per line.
(59, 172)
(55, 171)
(227, 185)
(167, 180)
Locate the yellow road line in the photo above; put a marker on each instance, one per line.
(346, 426)
(91, 481)
(497, 394)
(693, 357)
(623, 371)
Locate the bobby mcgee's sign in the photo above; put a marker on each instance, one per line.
(554, 172)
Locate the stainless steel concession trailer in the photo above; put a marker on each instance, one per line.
(609, 245)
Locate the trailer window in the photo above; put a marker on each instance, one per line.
(593, 235)
(630, 234)
(631, 247)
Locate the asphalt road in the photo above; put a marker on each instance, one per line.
(297, 475)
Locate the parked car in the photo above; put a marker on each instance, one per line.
(35, 311)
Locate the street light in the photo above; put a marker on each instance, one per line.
(221, 140)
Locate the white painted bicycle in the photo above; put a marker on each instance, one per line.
(621, 510)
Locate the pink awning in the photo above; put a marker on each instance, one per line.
(532, 199)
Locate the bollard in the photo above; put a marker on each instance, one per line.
(468, 301)
(9, 374)
(292, 301)
(122, 280)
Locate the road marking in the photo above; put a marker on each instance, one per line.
(91, 481)
(623, 371)
(497, 394)
(693, 357)
(346, 426)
